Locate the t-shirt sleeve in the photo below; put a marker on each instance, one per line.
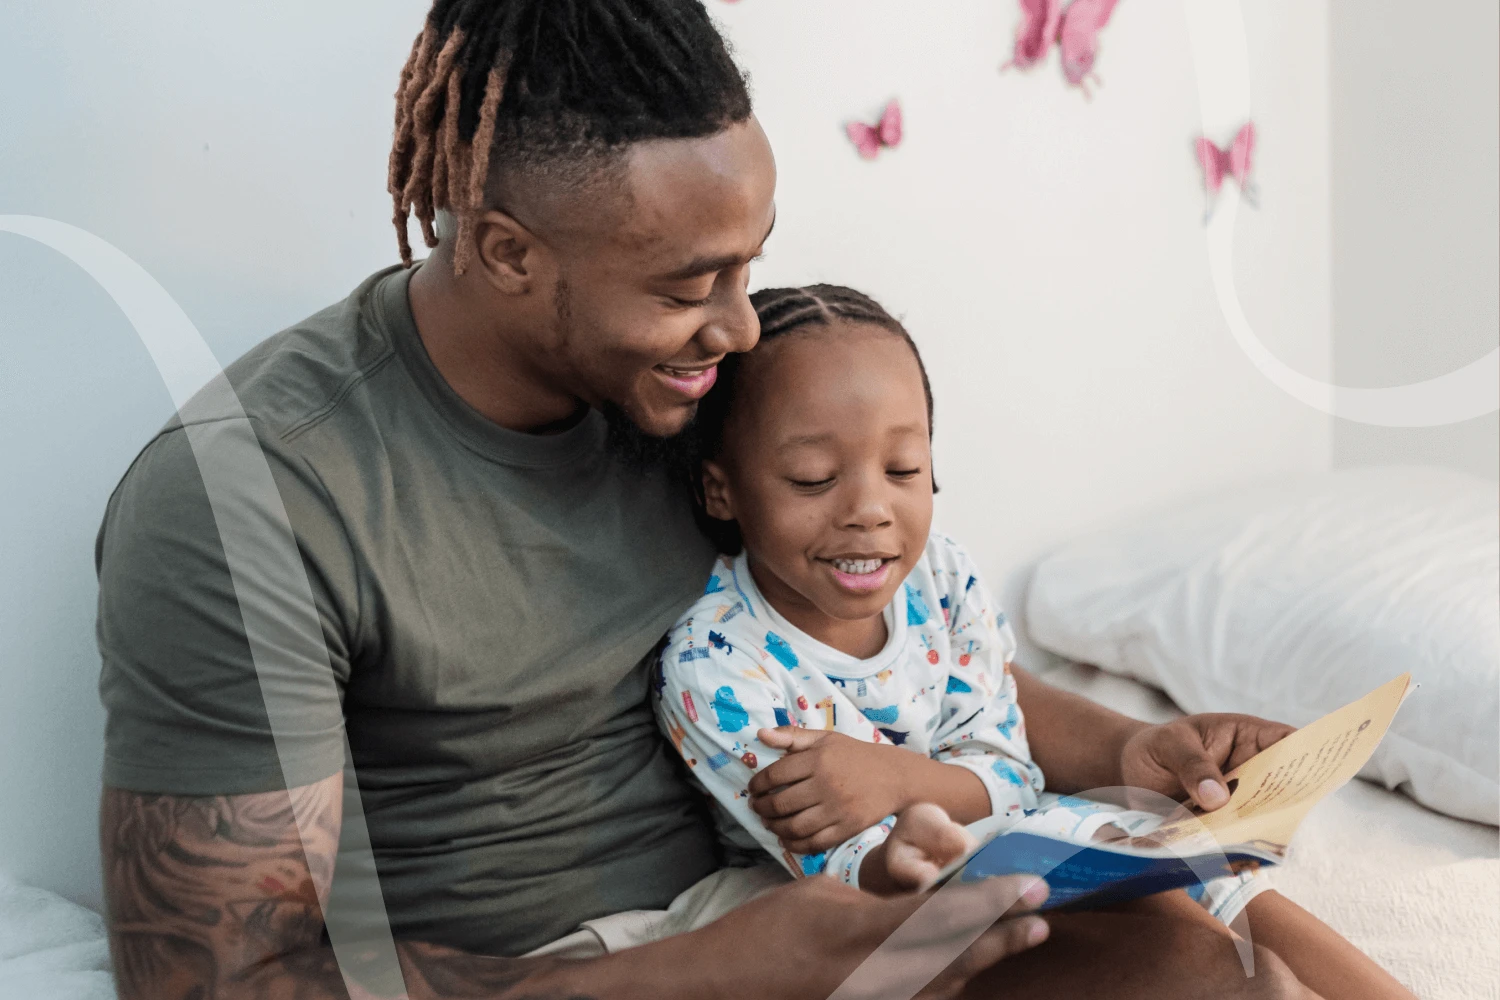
(225, 610)
(981, 727)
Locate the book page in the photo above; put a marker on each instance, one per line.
(1273, 790)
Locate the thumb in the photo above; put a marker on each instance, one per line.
(1187, 758)
(791, 738)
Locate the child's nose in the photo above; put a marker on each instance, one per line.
(868, 506)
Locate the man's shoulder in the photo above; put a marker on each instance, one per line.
(298, 377)
(283, 387)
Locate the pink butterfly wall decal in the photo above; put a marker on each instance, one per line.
(1074, 28)
(886, 133)
(1236, 162)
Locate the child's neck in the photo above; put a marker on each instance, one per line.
(860, 638)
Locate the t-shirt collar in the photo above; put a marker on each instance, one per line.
(392, 312)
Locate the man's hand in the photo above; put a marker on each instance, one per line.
(828, 787)
(1190, 755)
(809, 938)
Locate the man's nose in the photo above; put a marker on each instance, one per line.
(733, 328)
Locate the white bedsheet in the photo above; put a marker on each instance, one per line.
(50, 949)
(1416, 890)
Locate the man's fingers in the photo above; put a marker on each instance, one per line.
(1184, 755)
(1255, 735)
(959, 908)
(786, 771)
(792, 739)
(1007, 938)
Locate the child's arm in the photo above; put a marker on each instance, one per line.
(981, 727)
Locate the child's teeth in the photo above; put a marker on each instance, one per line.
(857, 567)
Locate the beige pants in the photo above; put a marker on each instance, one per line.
(700, 904)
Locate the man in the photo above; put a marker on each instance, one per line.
(464, 449)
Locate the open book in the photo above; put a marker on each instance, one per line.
(1270, 794)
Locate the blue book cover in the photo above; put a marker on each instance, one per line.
(1100, 874)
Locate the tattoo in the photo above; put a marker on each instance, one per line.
(221, 897)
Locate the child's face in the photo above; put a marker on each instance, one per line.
(827, 467)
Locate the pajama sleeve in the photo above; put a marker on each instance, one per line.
(980, 725)
(712, 700)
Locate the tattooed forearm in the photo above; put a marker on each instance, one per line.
(200, 888)
(221, 898)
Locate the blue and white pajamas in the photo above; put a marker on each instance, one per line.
(941, 686)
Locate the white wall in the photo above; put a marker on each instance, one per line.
(1416, 213)
(1047, 252)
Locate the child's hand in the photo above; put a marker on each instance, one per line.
(828, 787)
(1191, 754)
(923, 840)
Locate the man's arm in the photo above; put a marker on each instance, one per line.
(1076, 742)
(1081, 745)
(215, 897)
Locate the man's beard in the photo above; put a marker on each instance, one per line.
(677, 454)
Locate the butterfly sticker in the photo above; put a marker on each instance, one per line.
(869, 139)
(1075, 28)
(1235, 162)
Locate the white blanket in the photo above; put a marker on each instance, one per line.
(50, 949)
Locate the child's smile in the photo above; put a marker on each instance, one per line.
(861, 574)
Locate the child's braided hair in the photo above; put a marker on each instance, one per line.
(781, 311)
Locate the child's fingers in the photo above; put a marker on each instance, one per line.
(824, 840)
(788, 770)
(792, 739)
(909, 866)
(804, 824)
(786, 801)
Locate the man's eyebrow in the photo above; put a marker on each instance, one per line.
(700, 266)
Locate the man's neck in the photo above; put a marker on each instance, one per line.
(466, 336)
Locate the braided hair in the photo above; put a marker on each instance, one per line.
(549, 85)
(781, 311)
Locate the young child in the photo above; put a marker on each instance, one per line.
(843, 613)
(843, 689)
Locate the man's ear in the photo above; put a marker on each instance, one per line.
(716, 499)
(509, 254)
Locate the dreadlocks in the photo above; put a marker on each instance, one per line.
(781, 311)
(547, 85)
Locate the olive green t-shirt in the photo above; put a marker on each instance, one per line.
(488, 603)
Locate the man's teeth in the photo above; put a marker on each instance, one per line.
(858, 567)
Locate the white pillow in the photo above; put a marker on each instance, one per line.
(1289, 601)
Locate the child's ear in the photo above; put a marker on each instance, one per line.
(716, 499)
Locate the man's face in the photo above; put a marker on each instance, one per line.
(650, 303)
